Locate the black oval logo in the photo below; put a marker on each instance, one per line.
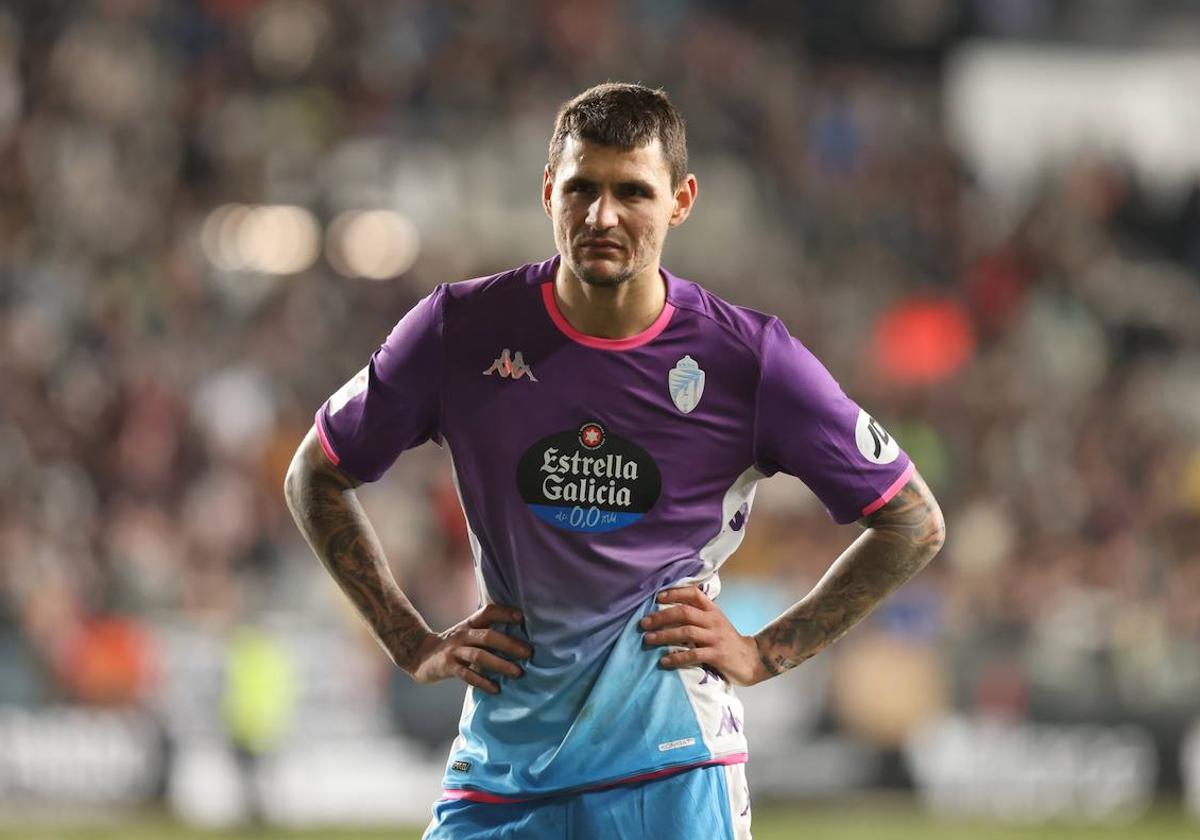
(588, 480)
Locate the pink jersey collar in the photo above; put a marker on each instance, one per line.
(644, 337)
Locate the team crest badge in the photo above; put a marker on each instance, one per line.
(686, 383)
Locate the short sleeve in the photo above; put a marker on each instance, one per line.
(392, 404)
(807, 427)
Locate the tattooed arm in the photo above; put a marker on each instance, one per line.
(323, 502)
(901, 537)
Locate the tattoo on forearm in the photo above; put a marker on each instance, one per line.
(336, 527)
(901, 538)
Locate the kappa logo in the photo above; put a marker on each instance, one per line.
(511, 365)
(686, 384)
(730, 722)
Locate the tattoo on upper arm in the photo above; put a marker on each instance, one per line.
(912, 515)
(902, 537)
(320, 464)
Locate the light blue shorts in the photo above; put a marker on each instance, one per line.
(712, 803)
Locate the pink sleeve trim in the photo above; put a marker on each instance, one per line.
(494, 799)
(329, 453)
(644, 337)
(889, 493)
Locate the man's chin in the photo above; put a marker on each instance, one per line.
(602, 273)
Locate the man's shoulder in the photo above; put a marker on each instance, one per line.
(740, 323)
(488, 289)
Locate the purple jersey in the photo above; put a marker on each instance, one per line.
(594, 473)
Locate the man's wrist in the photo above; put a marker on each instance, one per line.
(771, 661)
(404, 645)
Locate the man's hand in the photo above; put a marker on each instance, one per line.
(698, 624)
(465, 650)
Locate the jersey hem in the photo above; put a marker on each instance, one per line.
(482, 796)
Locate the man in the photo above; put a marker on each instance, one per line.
(607, 423)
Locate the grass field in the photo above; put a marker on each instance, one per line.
(855, 821)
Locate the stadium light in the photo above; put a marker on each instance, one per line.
(375, 244)
(270, 239)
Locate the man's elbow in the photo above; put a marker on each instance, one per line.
(914, 518)
(302, 471)
(311, 468)
(933, 534)
(294, 480)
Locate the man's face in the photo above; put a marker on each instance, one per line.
(612, 208)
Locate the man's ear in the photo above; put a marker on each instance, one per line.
(547, 189)
(685, 199)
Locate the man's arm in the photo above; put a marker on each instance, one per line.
(900, 538)
(326, 509)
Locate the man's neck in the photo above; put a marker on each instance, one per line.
(610, 312)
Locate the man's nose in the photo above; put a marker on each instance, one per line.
(602, 214)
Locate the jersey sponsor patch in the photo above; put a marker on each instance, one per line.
(588, 479)
(875, 444)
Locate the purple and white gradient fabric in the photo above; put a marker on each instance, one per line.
(594, 473)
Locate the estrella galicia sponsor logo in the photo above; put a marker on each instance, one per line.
(588, 479)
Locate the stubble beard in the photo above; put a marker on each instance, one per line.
(604, 281)
(601, 279)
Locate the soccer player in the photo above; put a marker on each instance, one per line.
(607, 422)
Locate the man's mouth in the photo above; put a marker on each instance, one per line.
(600, 245)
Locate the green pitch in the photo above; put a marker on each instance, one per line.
(854, 821)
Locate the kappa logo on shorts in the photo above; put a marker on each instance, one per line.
(686, 384)
(730, 722)
(511, 365)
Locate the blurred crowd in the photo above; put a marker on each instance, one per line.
(1040, 359)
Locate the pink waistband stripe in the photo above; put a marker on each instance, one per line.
(494, 799)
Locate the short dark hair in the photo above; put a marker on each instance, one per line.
(626, 116)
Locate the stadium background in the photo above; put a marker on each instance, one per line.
(983, 216)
